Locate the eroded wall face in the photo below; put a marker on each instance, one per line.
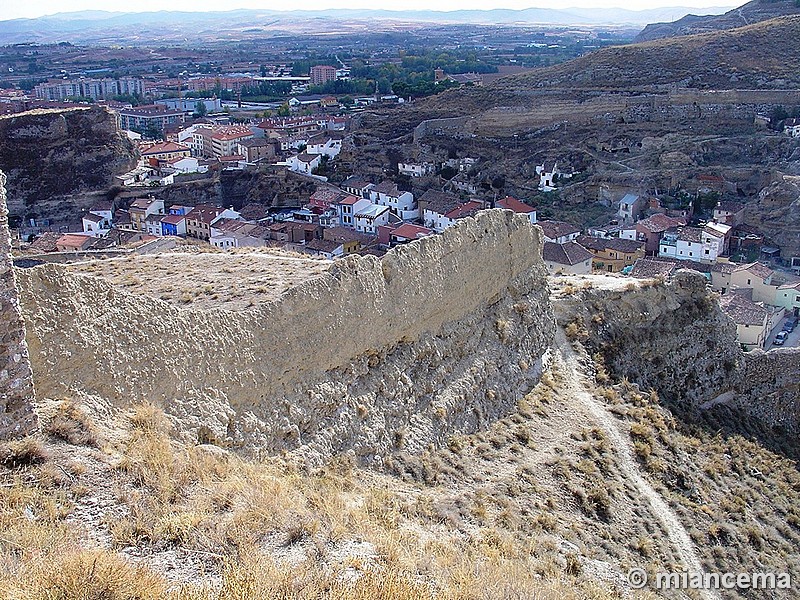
(440, 336)
(17, 418)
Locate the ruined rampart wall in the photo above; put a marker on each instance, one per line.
(438, 336)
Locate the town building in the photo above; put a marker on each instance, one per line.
(141, 208)
(650, 230)
(321, 74)
(559, 232)
(400, 203)
(612, 254)
(151, 117)
(567, 258)
(96, 89)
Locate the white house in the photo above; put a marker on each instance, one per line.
(153, 225)
(792, 127)
(630, 208)
(559, 232)
(369, 218)
(692, 243)
(415, 169)
(518, 207)
(752, 319)
(327, 144)
(98, 220)
(788, 296)
(304, 162)
(547, 178)
(185, 165)
(440, 219)
(569, 258)
(401, 203)
(348, 207)
(95, 225)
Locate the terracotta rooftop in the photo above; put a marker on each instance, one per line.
(465, 210)
(387, 187)
(516, 205)
(556, 229)
(439, 202)
(659, 222)
(165, 147)
(173, 219)
(323, 245)
(411, 231)
(356, 182)
(648, 268)
(570, 253)
(343, 234)
(616, 244)
(742, 310)
(46, 242)
(756, 268)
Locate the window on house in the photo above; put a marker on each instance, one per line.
(707, 251)
(748, 282)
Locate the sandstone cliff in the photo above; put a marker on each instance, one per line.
(50, 154)
(440, 336)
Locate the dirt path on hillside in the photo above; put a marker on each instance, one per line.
(575, 383)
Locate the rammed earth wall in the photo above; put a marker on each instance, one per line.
(439, 336)
(17, 417)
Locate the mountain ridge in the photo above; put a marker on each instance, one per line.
(747, 14)
(95, 23)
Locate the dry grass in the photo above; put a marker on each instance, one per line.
(280, 534)
(72, 425)
(23, 452)
(737, 498)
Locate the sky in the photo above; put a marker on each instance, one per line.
(11, 9)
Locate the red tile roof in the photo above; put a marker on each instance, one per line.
(515, 205)
(165, 147)
(410, 231)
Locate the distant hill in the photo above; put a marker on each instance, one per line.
(761, 56)
(748, 14)
(174, 25)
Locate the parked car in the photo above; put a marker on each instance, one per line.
(780, 339)
(790, 324)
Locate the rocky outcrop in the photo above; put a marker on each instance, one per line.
(669, 337)
(17, 417)
(769, 388)
(673, 338)
(48, 154)
(776, 212)
(440, 336)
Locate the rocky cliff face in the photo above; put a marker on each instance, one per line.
(16, 386)
(669, 337)
(440, 336)
(50, 154)
(776, 212)
(674, 338)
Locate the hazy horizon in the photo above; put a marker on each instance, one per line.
(40, 8)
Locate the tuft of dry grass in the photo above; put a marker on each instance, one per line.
(72, 425)
(23, 452)
(88, 575)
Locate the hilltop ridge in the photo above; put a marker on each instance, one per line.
(747, 14)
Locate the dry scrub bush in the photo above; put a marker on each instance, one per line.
(88, 575)
(72, 425)
(23, 452)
